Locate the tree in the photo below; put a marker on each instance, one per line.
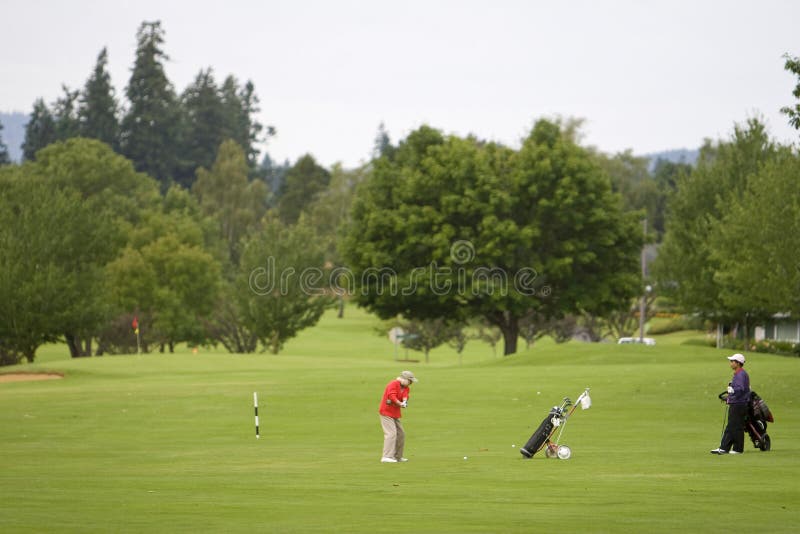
(202, 128)
(65, 114)
(40, 130)
(468, 229)
(666, 175)
(304, 181)
(427, 334)
(171, 285)
(5, 158)
(52, 248)
(110, 188)
(224, 193)
(149, 129)
(793, 112)
(687, 265)
(241, 108)
(97, 112)
(632, 180)
(280, 288)
(756, 239)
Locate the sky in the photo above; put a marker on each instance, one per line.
(645, 76)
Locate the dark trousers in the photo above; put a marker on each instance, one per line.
(733, 438)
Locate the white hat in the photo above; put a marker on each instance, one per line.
(408, 375)
(737, 358)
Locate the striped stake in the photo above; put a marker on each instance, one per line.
(255, 405)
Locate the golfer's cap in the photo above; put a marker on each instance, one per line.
(408, 375)
(737, 358)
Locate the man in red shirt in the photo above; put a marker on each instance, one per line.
(395, 396)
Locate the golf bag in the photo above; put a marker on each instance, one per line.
(556, 418)
(543, 433)
(758, 415)
(755, 424)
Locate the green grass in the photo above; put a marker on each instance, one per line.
(165, 442)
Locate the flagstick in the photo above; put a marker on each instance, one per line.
(255, 405)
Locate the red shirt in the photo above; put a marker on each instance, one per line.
(395, 393)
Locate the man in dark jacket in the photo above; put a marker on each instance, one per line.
(738, 397)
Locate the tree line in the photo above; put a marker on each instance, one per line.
(162, 213)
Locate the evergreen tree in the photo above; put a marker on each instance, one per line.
(202, 127)
(241, 106)
(97, 111)
(5, 159)
(40, 130)
(149, 129)
(304, 181)
(65, 115)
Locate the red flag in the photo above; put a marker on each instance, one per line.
(135, 323)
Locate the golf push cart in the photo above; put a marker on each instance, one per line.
(758, 415)
(556, 419)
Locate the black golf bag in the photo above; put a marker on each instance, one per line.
(755, 424)
(543, 433)
(758, 415)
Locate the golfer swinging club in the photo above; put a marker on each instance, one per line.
(395, 396)
(738, 396)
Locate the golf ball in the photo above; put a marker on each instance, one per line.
(465, 457)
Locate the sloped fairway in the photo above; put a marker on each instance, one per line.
(166, 443)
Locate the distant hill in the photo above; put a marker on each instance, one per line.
(679, 155)
(14, 133)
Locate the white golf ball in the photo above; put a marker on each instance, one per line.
(513, 446)
(465, 457)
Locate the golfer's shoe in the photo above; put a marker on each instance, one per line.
(734, 452)
(719, 451)
(386, 460)
(403, 460)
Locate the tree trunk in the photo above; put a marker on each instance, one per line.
(510, 335)
(509, 326)
(74, 345)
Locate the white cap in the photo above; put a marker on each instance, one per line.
(737, 358)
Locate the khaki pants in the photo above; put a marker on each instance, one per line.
(394, 437)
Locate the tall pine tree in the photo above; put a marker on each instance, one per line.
(202, 127)
(149, 130)
(98, 107)
(40, 130)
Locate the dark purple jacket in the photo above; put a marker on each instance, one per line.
(741, 387)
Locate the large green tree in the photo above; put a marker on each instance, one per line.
(459, 228)
(149, 129)
(108, 185)
(687, 264)
(98, 109)
(52, 249)
(756, 239)
(282, 284)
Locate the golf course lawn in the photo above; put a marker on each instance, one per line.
(166, 442)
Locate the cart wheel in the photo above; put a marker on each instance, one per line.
(766, 443)
(564, 452)
(550, 452)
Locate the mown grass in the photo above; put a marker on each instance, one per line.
(165, 442)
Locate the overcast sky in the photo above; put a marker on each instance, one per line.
(645, 75)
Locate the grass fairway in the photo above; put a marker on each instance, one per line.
(165, 442)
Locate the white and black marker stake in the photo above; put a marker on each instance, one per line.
(255, 405)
